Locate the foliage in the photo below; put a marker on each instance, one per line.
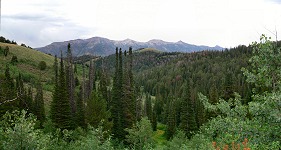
(140, 135)
(96, 111)
(60, 107)
(18, 132)
(39, 107)
(42, 65)
(265, 65)
(14, 60)
(6, 51)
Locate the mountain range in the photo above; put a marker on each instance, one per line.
(102, 46)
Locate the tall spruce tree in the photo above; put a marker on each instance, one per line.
(80, 115)
(184, 108)
(60, 107)
(148, 107)
(192, 124)
(9, 98)
(128, 91)
(70, 81)
(115, 108)
(171, 121)
(123, 103)
(39, 109)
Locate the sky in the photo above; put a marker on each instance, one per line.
(227, 23)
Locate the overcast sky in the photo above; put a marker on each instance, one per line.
(227, 23)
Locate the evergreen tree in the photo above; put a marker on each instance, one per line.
(39, 110)
(56, 69)
(171, 121)
(29, 100)
(192, 125)
(123, 103)
(103, 87)
(21, 93)
(148, 107)
(96, 110)
(184, 109)
(9, 99)
(115, 108)
(154, 120)
(60, 108)
(70, 81)
(80, 115)
(91, 79)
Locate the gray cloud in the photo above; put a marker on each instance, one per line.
(39, 30)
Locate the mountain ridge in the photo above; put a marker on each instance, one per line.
(101, 46)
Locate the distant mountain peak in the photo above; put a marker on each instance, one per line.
(103, 46)
(181, 42)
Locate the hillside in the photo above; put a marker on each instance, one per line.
(103, 47)
(28, 60)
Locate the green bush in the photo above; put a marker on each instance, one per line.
(42, 65)
(14, 60)
(19, 133)
(140, 136)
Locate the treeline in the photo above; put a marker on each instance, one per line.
(4, 40)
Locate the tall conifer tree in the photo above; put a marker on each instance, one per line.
(39, 109)
(60, 108)
(70, 81)
(115, 109)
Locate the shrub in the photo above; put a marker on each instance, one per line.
(14, 60)
(140, 136)
(6, 51)
(42, 65)
(19, 133)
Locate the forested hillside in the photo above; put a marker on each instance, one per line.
(144, 99)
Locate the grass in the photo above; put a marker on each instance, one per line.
(27, 65)
(28, 60)
(159, 134)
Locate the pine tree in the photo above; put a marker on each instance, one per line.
(96, 110)
(184, 109)
(91, 79)
(29, 100)
(154, 120)
(123, 103)
(56, 98)
(39, 110)
(21, 93)
(192, 125)
(80, 115)
(171, 121)
(132, 97)
(128, 91)
(56, 69)
(9, 99)
(70, 81)
(115, 108)
(60, 108)
(148, 107)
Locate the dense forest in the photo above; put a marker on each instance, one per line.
(144, 99)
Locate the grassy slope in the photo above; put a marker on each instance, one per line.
(28, 60)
